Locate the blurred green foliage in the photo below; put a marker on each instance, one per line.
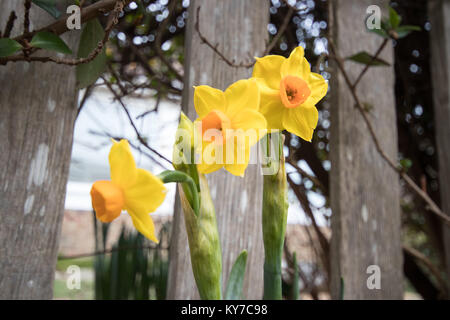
(134, 269)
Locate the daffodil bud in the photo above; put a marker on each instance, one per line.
(274, 220)
(204, 243)
(201, 228)
(183, 151)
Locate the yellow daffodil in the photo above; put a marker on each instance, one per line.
(289, 92)
(134, 190)
(228, 121)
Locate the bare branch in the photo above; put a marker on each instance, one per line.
(26, 17)
(10, 24)
(130, 119)
(229, 62)
(428, 264)
(281, 31)
(159, 34)
(108, 251)
(432, 206)
(367, 66)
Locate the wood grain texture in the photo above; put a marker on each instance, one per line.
(364, 189)
(240, 29)
(439, 12)
(38, 109)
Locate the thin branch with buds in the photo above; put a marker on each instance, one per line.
(113, 20)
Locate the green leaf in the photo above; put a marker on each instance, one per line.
(394, 18)
(365, 58)
(406, 163)
(295, 281)
(49, 6)
(405, 30)
(386, 25)
(8, 47)
(236, 279)
(49, 41)
(380, 32)
(88, 73)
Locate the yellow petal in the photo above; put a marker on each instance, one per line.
(243, 94)
(252, 124)
(296, 65)
(207, 98)
(265, 91)
(144, 224)
(301, 121)
(209, 162)
(273, 111)
(240, 163)
(236, 169)
(268, 68)
(146, 194)
(318, 87)
(122, 165)
(205, 168)
(271, 106)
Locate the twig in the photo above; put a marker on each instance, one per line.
(303, 199)
(113, 20)
(281, 31)
(123, 90)
(231, 63)
(430, 266)
(108, 251)
(130, 119)
(118, 138)
(158, 101)
(159, 34)
(26, 17)
(432, 206)
(9, 25)
(367, 66)
(144, 63)
(316, 181)
(86, 95)
(93, 11)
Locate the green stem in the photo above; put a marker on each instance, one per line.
(191, 191)
(272, 282)
(274, 220)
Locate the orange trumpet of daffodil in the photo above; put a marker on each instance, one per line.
(230, 121)
(132, 189)
(289, 92)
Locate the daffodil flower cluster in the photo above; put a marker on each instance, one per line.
(280, 95)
